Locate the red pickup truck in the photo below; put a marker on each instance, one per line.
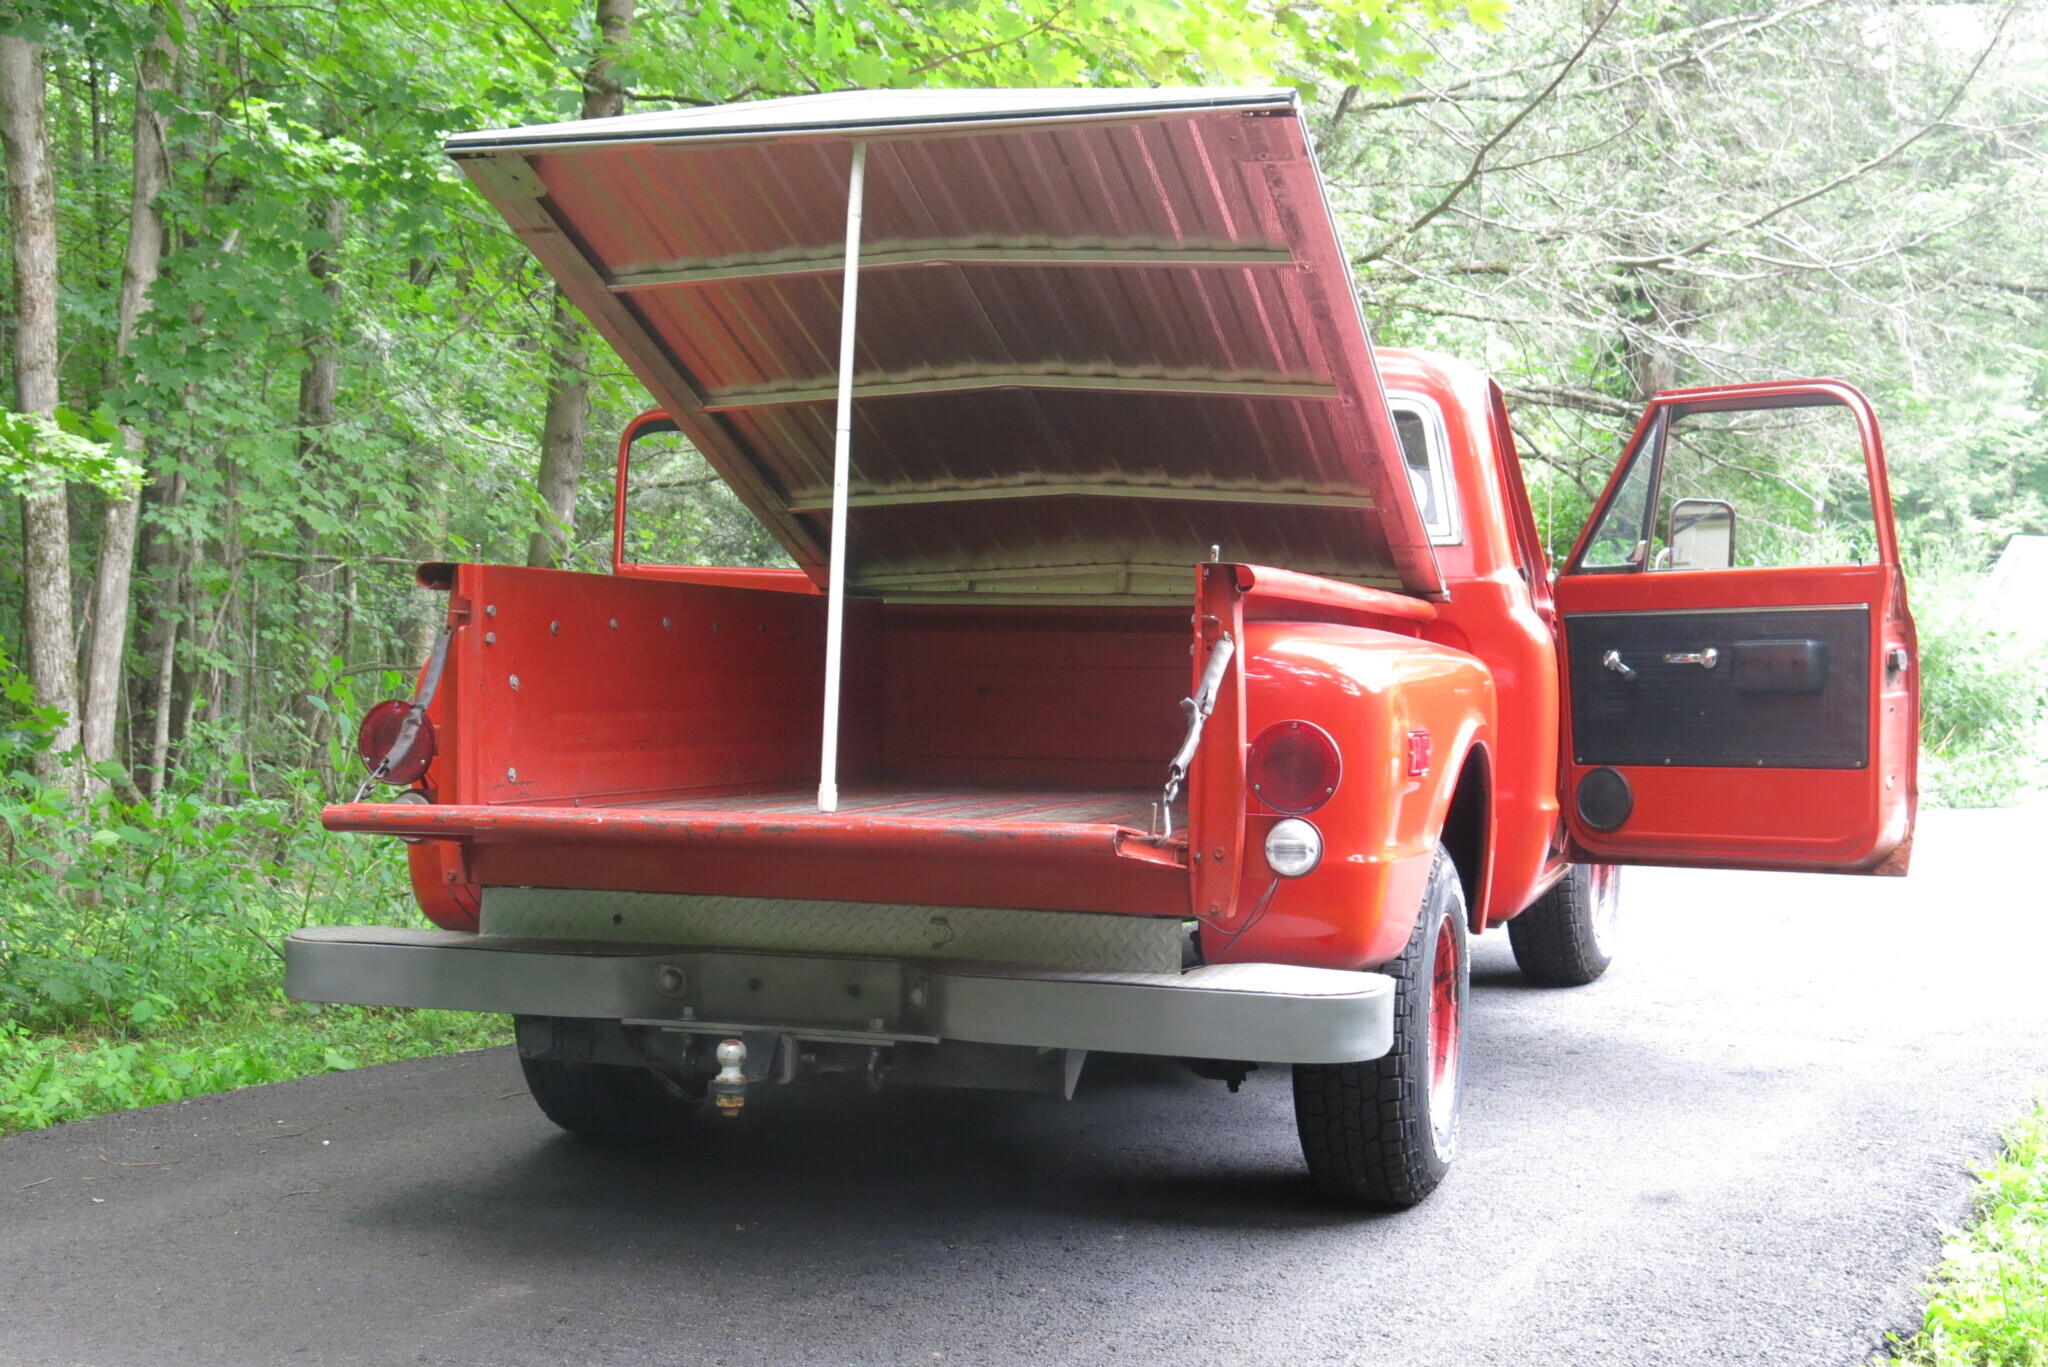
(1164, 670)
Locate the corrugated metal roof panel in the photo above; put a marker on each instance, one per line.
(1098, 332)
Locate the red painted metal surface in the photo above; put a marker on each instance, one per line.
(1283, 595)
(1008, 755)
(629, 732)
(1367, 689)
(1098, 332)
(879, 856)
(1500, 612)
(1835, 820)
(1067, 697)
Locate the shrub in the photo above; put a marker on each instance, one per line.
(1983, 690)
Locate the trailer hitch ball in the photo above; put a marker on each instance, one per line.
(729, 1088)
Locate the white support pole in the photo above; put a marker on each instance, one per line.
(842, 461)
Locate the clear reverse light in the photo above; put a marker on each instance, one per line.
(1293, 848)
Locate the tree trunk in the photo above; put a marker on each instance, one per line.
(166, 679)
(318, 384)
(32, 208)
(321, 377)
(568, 407)
(111, 589)
(561, 437)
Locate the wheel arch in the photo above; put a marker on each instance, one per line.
(1466, 830)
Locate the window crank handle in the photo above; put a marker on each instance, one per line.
(1705, 659)
(1612, 660)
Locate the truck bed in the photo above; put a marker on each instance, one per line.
(948, 804)
(606, 732)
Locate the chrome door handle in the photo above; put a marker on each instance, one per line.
(1612, 660)
(1705, 659)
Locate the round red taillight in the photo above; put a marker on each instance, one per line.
(379, 732)
(1294, 767)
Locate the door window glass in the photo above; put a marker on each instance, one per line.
(1619, 542)
(1763, 487)
(663, 470)
(679, 512)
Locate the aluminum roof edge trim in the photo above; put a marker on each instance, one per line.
(646, 128)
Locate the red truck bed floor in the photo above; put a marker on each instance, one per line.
(950, 805)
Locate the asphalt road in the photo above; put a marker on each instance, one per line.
(1739, 1147)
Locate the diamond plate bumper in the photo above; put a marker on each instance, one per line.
(1268, 1013)
(1045, 939)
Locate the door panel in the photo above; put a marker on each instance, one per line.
(1756, 717)
(1753, 688)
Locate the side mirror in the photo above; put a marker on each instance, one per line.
(1702, 534)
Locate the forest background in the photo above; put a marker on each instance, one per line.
(265, 351)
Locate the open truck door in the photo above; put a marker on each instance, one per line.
(1739, 662)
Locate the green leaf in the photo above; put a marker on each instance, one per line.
(39, 454)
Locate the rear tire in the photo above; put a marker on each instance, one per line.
(1383, 1133)
(606, 1100)
(1566, 938)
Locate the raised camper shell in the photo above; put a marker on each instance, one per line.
(1098, 331)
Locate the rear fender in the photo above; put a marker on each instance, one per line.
(1371, 691)
(442, 885)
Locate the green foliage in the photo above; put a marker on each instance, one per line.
(1989, 1304)
(1983, 693)
(37, 454)
(114, 914)
(139, 943)
(46, 1080)
(714, 53)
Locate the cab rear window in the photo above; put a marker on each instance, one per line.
(1424, 449)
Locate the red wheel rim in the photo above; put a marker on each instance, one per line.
(1444, 1030)
(1605, 890)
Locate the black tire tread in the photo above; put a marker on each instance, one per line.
(604, 1100)
(1553, 938)
(1359, 1121)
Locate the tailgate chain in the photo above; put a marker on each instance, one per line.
(1197, 709)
